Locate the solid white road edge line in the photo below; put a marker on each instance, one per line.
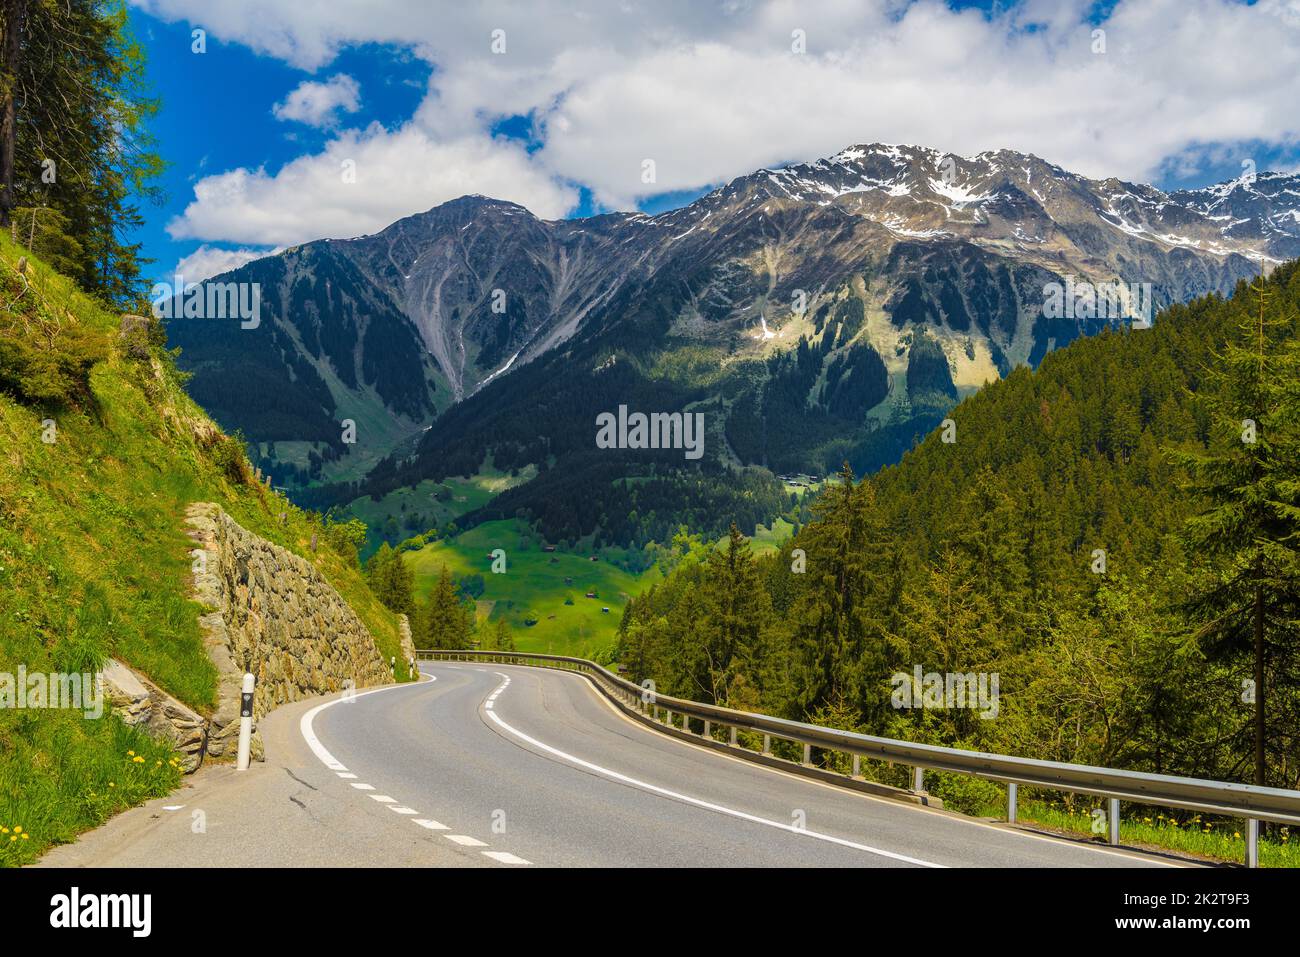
(707, 805)
(313, 742)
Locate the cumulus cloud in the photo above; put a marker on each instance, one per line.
(319, 104)
(712, 91)
(208, 261)
(361, 182)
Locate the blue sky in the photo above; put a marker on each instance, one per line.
(562, 116)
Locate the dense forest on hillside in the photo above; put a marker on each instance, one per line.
(1114, 534)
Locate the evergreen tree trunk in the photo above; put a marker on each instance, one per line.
(1260, 767)
(15, 14)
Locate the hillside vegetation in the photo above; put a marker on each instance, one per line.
(1106, 533)
(100, 452)
(548, 589)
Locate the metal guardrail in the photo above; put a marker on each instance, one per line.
(1247, 801)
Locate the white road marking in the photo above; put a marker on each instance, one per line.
(708, 805)
(331, 762)
(504, 857)
(465, 840)
(916, 808)
(172, 807)
(309, 735)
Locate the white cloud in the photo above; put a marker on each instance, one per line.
(208, 261)
(396, 174)
(319, 104)
(712, 91)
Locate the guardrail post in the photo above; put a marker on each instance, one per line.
(1252, 842)
(1112, 821)
(1011, 803)
(767, 745)
(918, 780)
(732, 736)
(857, 767)
(245, 723)
(807, 755)
(668, 717)
(708, 729)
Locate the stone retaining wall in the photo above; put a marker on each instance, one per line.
(275, 615)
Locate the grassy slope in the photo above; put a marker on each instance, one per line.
(461, 495)
(94, 562)
(535, 586)
(533, 583)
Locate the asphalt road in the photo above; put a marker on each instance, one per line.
(498, 766)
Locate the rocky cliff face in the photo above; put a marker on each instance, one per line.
(272, 613)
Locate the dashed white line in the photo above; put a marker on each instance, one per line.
(331, 762)
(465, 840)
(504, 857)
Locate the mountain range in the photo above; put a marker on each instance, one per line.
(815, 312)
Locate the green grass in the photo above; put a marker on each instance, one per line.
(765, 539)
(95, 563)
(438, 503)
(1178, 831)
(533, 587)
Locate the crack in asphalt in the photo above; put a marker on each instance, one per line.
(300, 780)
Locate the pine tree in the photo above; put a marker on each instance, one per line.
(502, 638)
(444, 621)
(391, 580)
(737, 613)
(1248, 602)
(838, 633)
(73, 133)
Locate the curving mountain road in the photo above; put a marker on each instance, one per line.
(539, 765)
(487, 765)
